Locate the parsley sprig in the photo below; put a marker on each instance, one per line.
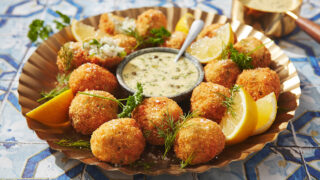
(80, 144)
(157, 37)
(38, 28)
(169, 133)
(62, 85)
(132, 101)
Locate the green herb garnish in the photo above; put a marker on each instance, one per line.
(244, 61)
(81, 144)
(95, 42)
(132, 101)
(229, 101)
(169, 133)
(157, 37)
(66, 53)
(65, 21)
(38, 29)
(187, 161)
(62, 85)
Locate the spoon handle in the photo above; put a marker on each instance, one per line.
(195, 29)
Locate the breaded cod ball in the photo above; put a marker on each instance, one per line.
(70, 56)
(150, 19)
(92, 77)
(207, 100)
(113, 24)
(260, 54)
(199, 139)
(152, 113)
(105, 52)
(87, 113)
(209, 31)
(223, 72)
(119, 141)
(127, 42)
(176, 40)
(259, 82)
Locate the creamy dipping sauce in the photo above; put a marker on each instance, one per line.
(272, 5)
(159, 74)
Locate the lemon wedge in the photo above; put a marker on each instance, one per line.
(184, 23)
(54, 111)
(267, 111)
(207, 49)
(82, 32)
(240, 124)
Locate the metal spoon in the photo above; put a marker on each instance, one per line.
(195, 29)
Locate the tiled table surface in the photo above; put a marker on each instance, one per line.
(294, 155)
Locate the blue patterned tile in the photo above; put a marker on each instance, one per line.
(312, 158)
(233, 171)
(14, 156)
(275, 163)
(13, 124)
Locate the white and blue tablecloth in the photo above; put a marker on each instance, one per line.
(294, 155)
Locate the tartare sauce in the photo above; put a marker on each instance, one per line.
(159, 74)
(272, 5)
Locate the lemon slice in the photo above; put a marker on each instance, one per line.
(184, 23)
(240, 124)
(82, 32)
(267, 111)
(207, 49)
(54, 111)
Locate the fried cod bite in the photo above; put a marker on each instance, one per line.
(209, 31)
(113, 24)
(87, 113)
(199, 139)
(92, 77)
(127, 42)
(223, 72)
(207, 100)
(176, 40)
(150, 19)
(259, 82)
(152, 113)
(119, 141)
(105, 52)
(261, 56)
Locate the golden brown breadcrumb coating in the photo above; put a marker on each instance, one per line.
(261, 56)
(150, 19)
(199, 138)
(259, 82)
(152, 113)
(107, 25)
(72, 55)
(223, 72)
(127, 42)
(87, 113)
(209, 31)
(119, 141)
(176, 40)
(206, 100)
(92, 77)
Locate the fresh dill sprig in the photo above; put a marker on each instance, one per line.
(229, 101)
(81, 144)
(61, 86)
(187, 161)
(169, 129)
(157, 37)
(132, 101)
(244, 61)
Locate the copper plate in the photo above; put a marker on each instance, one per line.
(40, 71)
